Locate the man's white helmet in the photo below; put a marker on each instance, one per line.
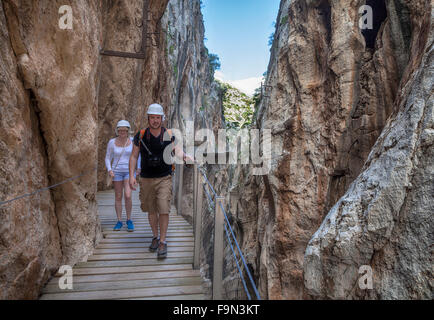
(122, 124)
(156, 109)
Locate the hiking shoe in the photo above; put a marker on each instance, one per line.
(130, 226)
(154, 245)
(162, 251)
(118, 226)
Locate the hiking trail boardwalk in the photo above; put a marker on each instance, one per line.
(122, 267)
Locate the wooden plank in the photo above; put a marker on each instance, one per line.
(180, 228)
(146, 235)
(126, 270)
(133, 263)
(138, 250)
(145, 225)
(129, 276)
(184, 297)
(146, 230)
(126, 284)
(145, 240)
(136, 256)
(145, 245)
(124, 293)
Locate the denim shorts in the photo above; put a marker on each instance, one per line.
(122, 176)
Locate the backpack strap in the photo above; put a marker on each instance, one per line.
(142, 134)
(163, 131)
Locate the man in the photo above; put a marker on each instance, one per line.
(156, 175)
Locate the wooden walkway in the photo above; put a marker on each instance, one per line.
(122, 267)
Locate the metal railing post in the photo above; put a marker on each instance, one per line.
(197, 219)
(217, 285)
(180, 184)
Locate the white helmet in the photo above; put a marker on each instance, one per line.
(156, 109)
(121, 124)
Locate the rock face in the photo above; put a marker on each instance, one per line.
(48, 129)
(128, 86)
(60, 101)
(332, 90)
(384, 220)
(175, 72)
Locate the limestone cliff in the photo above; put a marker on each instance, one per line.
(384, 220)
(60, 101)
(48, 123)
(333, 88)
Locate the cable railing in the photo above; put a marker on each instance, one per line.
(222, 226)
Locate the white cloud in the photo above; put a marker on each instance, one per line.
(219, 75)
(247, 86)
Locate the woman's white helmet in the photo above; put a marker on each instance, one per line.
(122, 124)
(157, 110)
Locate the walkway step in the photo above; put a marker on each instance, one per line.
(132, 245)
(125, 293)
(129, 276)
(146, 240)
(134, 263)
(99, 251)
(127, 284)
(131, 269)
(135, 256)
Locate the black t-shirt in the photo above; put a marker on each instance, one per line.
(157, 148)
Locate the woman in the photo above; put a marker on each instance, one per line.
(117, 162)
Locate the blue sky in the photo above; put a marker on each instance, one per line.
(237, 31)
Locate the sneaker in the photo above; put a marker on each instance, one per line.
(162, 251)
(154, 245)
(118, 226)
(130, 226)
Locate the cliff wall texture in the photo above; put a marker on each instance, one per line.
(335, 92)
(60, 102)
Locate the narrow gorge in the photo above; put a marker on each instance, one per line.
(350, 112)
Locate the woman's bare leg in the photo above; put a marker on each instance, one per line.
(119, 186)
(128, 199)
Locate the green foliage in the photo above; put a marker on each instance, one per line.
(214, 62)
(238, 108)
(271, 39)
(284, 20)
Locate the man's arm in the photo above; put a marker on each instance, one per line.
(133, 160)
(179, 152)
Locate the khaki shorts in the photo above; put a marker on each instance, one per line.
(156, 194)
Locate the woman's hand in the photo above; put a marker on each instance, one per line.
(111, 173)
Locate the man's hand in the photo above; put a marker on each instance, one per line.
(188, 159)
(133, 183)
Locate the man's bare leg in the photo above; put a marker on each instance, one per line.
(153, 221)
(164, 225)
